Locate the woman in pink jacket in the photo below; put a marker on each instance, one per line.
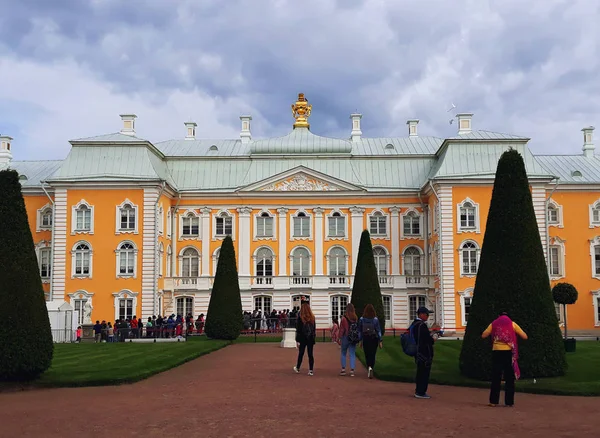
(347, 334)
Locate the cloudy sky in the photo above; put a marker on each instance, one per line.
(68, 68)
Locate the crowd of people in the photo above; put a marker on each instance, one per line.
(269, 321)
(155, 327)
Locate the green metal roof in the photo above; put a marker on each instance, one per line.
(116, 137)
(301, 141)
(566, 167)
(35, 171)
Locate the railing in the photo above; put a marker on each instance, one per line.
(260, 280)
(339, 280)
(300, 280)
(386, 280)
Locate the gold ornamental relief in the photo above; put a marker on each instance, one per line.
(301, 111)
(300, 183)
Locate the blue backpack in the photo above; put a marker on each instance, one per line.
(408, 342)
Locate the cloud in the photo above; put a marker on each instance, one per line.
(69, 68)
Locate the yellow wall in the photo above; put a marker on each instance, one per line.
(32, 205)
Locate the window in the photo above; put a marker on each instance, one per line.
(46, 218)
(190, 225)
(595, 214)
(190, 263)
(469, 255)
(224, 225)
(337, 264)
(467, 304)
(466, 298)
(558, 309)
(300, 266)
(597, 260)
(552, 214)
(45, 257)
(555, 261)
(216, 260)
(378, 224)
(79, 306)
(264, 264)
(412, 262)
(82, 256)
(264, 225)
(84, 219)
(185, 306)
(414, 302)
(127, 218)
(301, 225)
(161, 220)
(597, 309)
(467, 216)
(169, 260)
(298, 300)
(161, 260)
(126, 255)
(337, 225)
(263, 303)
(169, 223)
(381, 260)
(125, 308)
(125, 304)
(338, 306)
(387, 309)
(411, 224)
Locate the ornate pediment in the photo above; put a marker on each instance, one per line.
(300, 182)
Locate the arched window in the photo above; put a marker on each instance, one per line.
(468, 216)
(84, 218)
(169, 260)
(378, 224)
(469, 255)
(595, 214)
(126, 256)
(381, 260)
(161, 258)
(412, 261)
(127, 217)
(337, 265)
(190, 225)
(411, 224)
(82, 260)
(264, 265)
(552, 214)
(190, 263)
(300, 266)
(46, 218)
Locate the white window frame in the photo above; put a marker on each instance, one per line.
(421, 260)
(595, 242)
(74, 210)
(191, 214)
(257, 217)
(465, 294)
(82, 295)
(344, 218)
(293, 217)
(161, 258)
(180, 261)
(44, 246)
(292, 258)
(222, 213)
(341, 307)
(386, 255)
(255, 261)
(559, 214)
(161, 220)
(460, 258)
(185, 298)
(592, 207)
(40, 216)
(459, 207)
(118, 251)
(413, 317)
(596, 304)
(169, 223)
(328, 257)
(411, 212)
(436, 217)
(169, 260)
(379, 212)
(118, 229)
(73, 260)
(125, 294)
(559, 244)
(388, 318)
(262, 297)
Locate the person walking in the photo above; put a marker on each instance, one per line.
(348, 338)
(424, 357)
(505, 355)
(305, 337)
(369, 334)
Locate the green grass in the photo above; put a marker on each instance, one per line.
(119, 363)
(581, 378)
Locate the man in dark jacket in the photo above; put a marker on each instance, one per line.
(424, 356)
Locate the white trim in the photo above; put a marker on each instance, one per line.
(596, 298)
(345, 236)
(310, 225)
(161, 220)
(559, 214)
(467, 293)
(222, 213)
(118, 258)
(291, 257)
(161, 259)
(387, 259)
(125, 294)
(74, 209)
(593, 243)
(374, 212)
(460, 258)
(169, 260)
(44, 245)
(592, 207)
(328, 257)
(180, 260)
(421, 260)
(560, 244)
(59, 237)
(189, 213)
(215, 259)
(459, 207)
(419, 217)
(169, 223)
(85, 295)
(40, 214)
(118, 229)
(274, 225)
(73, 256)
(273, 258)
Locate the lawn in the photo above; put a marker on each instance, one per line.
(118, 363)
(581, 379)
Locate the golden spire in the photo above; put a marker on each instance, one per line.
(301, 112)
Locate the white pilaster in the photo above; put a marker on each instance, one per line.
(282, 235)
(357, 229)
(448, 254)
(206, 255)
(149, 252)
(318, 211)
(538, 195)
(59, 240)
(244, 241)
(395, 224)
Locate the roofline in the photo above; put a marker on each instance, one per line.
(97, 143)
(448, 141)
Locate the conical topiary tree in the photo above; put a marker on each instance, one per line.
(565, 294)
(513, 278)
(26, 346)
(366, 288)
(224, 318)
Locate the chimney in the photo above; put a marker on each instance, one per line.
(588, 141)
(356, 132)
(245, 134)
(5, 152)
(190, 129)
(128, 124)
(412, 127)
(464, 123)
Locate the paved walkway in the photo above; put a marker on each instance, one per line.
(250, 390)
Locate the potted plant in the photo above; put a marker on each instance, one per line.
(565, 294)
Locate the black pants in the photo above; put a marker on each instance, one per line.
(422, 378)
(502, 364)
(311, 359)
(370, 346)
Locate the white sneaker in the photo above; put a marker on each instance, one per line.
(310, 373)
(370, 373)
(296, 370)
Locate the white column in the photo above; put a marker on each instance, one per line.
(59, 243)
(244, 237)
(206, 256)
(448, 254)
(395, 240)
(149, 253)
(282, 236)
(174, 240)
(318, 211)
(357, 229)
(538, 195)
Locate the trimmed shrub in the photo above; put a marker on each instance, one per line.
(26, 346)
(513, 278)
(366, 288)
(565, 294)
(224, 316)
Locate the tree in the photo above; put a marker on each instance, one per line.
(224, 318)
(565, 294)
(26, 346)
(513, 278)
(366, 288)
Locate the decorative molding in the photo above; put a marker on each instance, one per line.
(161, 220)
(419, 216)
(75, 252)
(74, 210)
(169, 261)
(169, 223)
(559, 214)
(594, 207)
(118, 229)
(119, 251)
(461, 249)
(459, 207)
(300, 182)
(40, 218)
(82, 295)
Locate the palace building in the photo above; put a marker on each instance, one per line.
(131, 227)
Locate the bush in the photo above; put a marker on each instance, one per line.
(26, 346)
(513, 278)
(224, 316)
(565, 294)
(366, 288)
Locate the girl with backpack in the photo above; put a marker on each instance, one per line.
(369, 332)
(306, 331)
(348, 338)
